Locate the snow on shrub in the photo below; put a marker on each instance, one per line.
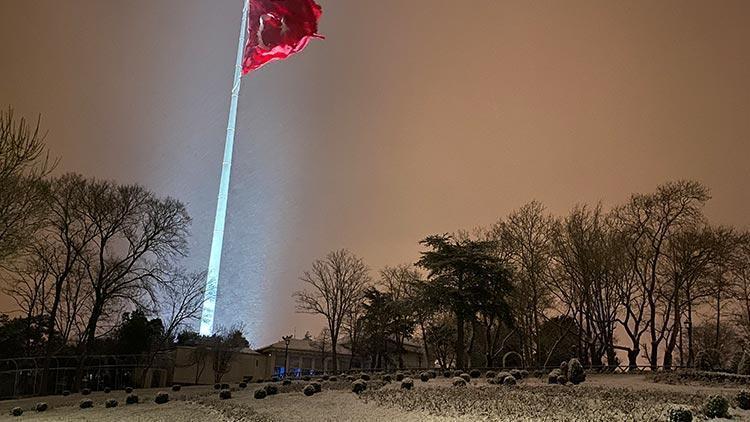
(86, 404)
(459, 381)
(359, 386)
(576, 374)
(161, 397)
(260, 394)
(16, 411)
(743, 400)
(407, 383)
(309, 390)
(110, 403)
(225, 394)
(41, 407)
(716, 407)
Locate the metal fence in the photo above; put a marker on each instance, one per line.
(21, 377)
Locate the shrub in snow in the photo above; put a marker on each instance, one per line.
(424, 377)
(41, 407)
(317, 386)
(110, 403)
(86, 391)
(407, 383)
(515, 373)
(309, 390)
(465, 376)
(16, 411)
(387, 378)
(161, 397)
(86, 404)
(509, 381)
(716, 407)
(260, 394)
(243, 385)
(680, 414)
(271, 389)
(128, 390)
(399, 376)
(475, 373)
(131, 399)
(359, 386)
(459, 382)
(225, 394)
(364, 376)
(552, 377)
(176, 387)
(490, 374)
(576, 373)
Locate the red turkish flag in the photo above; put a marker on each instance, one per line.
(278, 29)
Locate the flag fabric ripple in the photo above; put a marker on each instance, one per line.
(278, 29)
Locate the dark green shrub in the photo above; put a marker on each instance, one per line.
(350, 378)
(716, 407)
(260, 394)
(447, 374)
(515, 373)
(576, 373)
(309, 390)
(364, 376)
(128, 390)
(524, 373)
(224, 386)
(161, 397)
(387, 378)
(475, 373)
(85, 391)
(86, 404)
(217, 386)
(225, 394)
(107, 390)
(743, 400)
(243, 385)
(306, 378)
(562, 379)
(110, 403)
(432, 373)
(131, 399)
(286, 381)
(424, 377)
(399, 376)
(407, 383)
(459, 381)
(274, 379)
(359, 386)
(680, 414)
(41, 407)
(318, 388)
(509, 381)
(326, 377)
(176, 387)
(333, 378)
(16, 411)
(490, 374)
(66, 393)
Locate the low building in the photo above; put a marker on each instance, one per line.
(196, 365)
(305, 357)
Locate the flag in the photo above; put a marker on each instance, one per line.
(278, 29)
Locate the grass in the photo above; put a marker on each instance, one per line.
(538, 402)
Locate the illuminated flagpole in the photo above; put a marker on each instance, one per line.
(214, 261)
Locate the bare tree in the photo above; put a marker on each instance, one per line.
(333, 288)
(588, 272)
(24, 161)
(647, 221)
(526, 235)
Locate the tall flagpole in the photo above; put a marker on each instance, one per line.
(214, 261)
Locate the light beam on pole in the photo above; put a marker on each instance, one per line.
(214, 261)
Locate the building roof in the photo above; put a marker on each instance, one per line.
(302, 345)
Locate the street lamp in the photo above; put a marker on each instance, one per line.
(286, 339)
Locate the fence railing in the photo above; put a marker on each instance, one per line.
(24, 376)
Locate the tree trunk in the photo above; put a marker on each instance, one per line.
(459, 340)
